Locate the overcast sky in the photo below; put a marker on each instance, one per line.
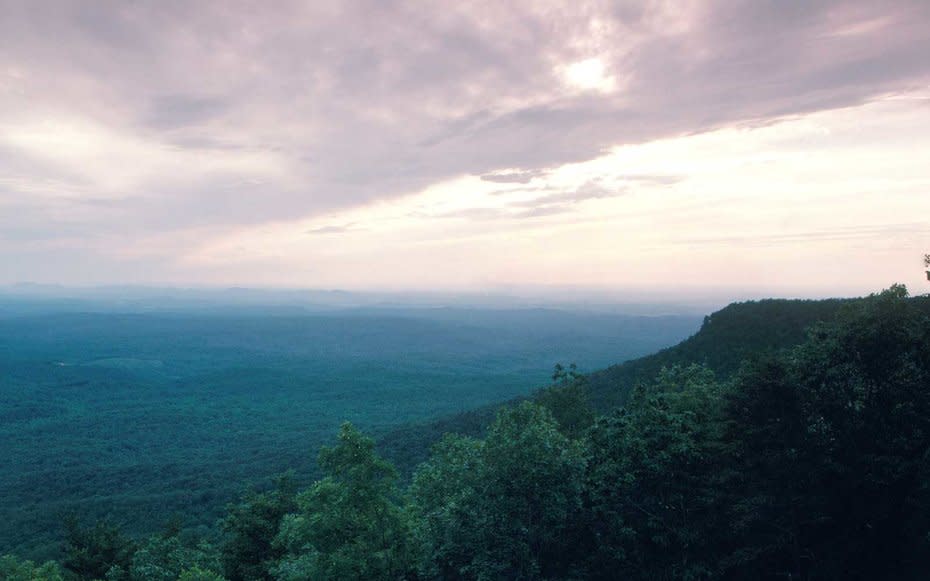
(771, 146)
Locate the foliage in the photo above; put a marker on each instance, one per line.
(166, 557)
(771, 486)
(141, 414)
(445, 491)
(500, 508)
(835, 447)
(809, 462)
(349, 525)
(567, 401)
(198, 574)
(12, 569)
(97, 552)
(652, 480)
(727, 337)
(249, 530)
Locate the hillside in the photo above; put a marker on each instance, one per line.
(725, 338)
(139, 415)
(700, 474)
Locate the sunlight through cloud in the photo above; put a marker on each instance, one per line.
(589, 75)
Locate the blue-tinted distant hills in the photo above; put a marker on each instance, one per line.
(137, 408)
(32, 297)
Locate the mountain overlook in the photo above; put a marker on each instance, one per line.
(672, 465)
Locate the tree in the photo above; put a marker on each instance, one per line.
(865, 378)
(250, 527)
(444, 493)
(198, 574)
(773, 500)
(91, 553)
(349, 525)
(12, 569)
(652, 484)
(567, 401)
(834, 442)
(505, 507)
(165, 557)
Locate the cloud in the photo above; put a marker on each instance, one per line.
(664, 180)
(199, 115)
(589, 75)
(564, 200)
(332, 229)
(177, 111)
(763, 208)
(513, 176)
(847, 234)
(522, 203)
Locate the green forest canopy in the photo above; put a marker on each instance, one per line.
(809, 462)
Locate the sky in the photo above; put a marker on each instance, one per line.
(750, 147)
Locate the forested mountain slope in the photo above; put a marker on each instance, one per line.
(805, 461)
(724, 340)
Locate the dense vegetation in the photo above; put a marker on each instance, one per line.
(810, 462)
(726, 338)
(137, 416)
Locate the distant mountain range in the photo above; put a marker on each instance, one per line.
(128, 298)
